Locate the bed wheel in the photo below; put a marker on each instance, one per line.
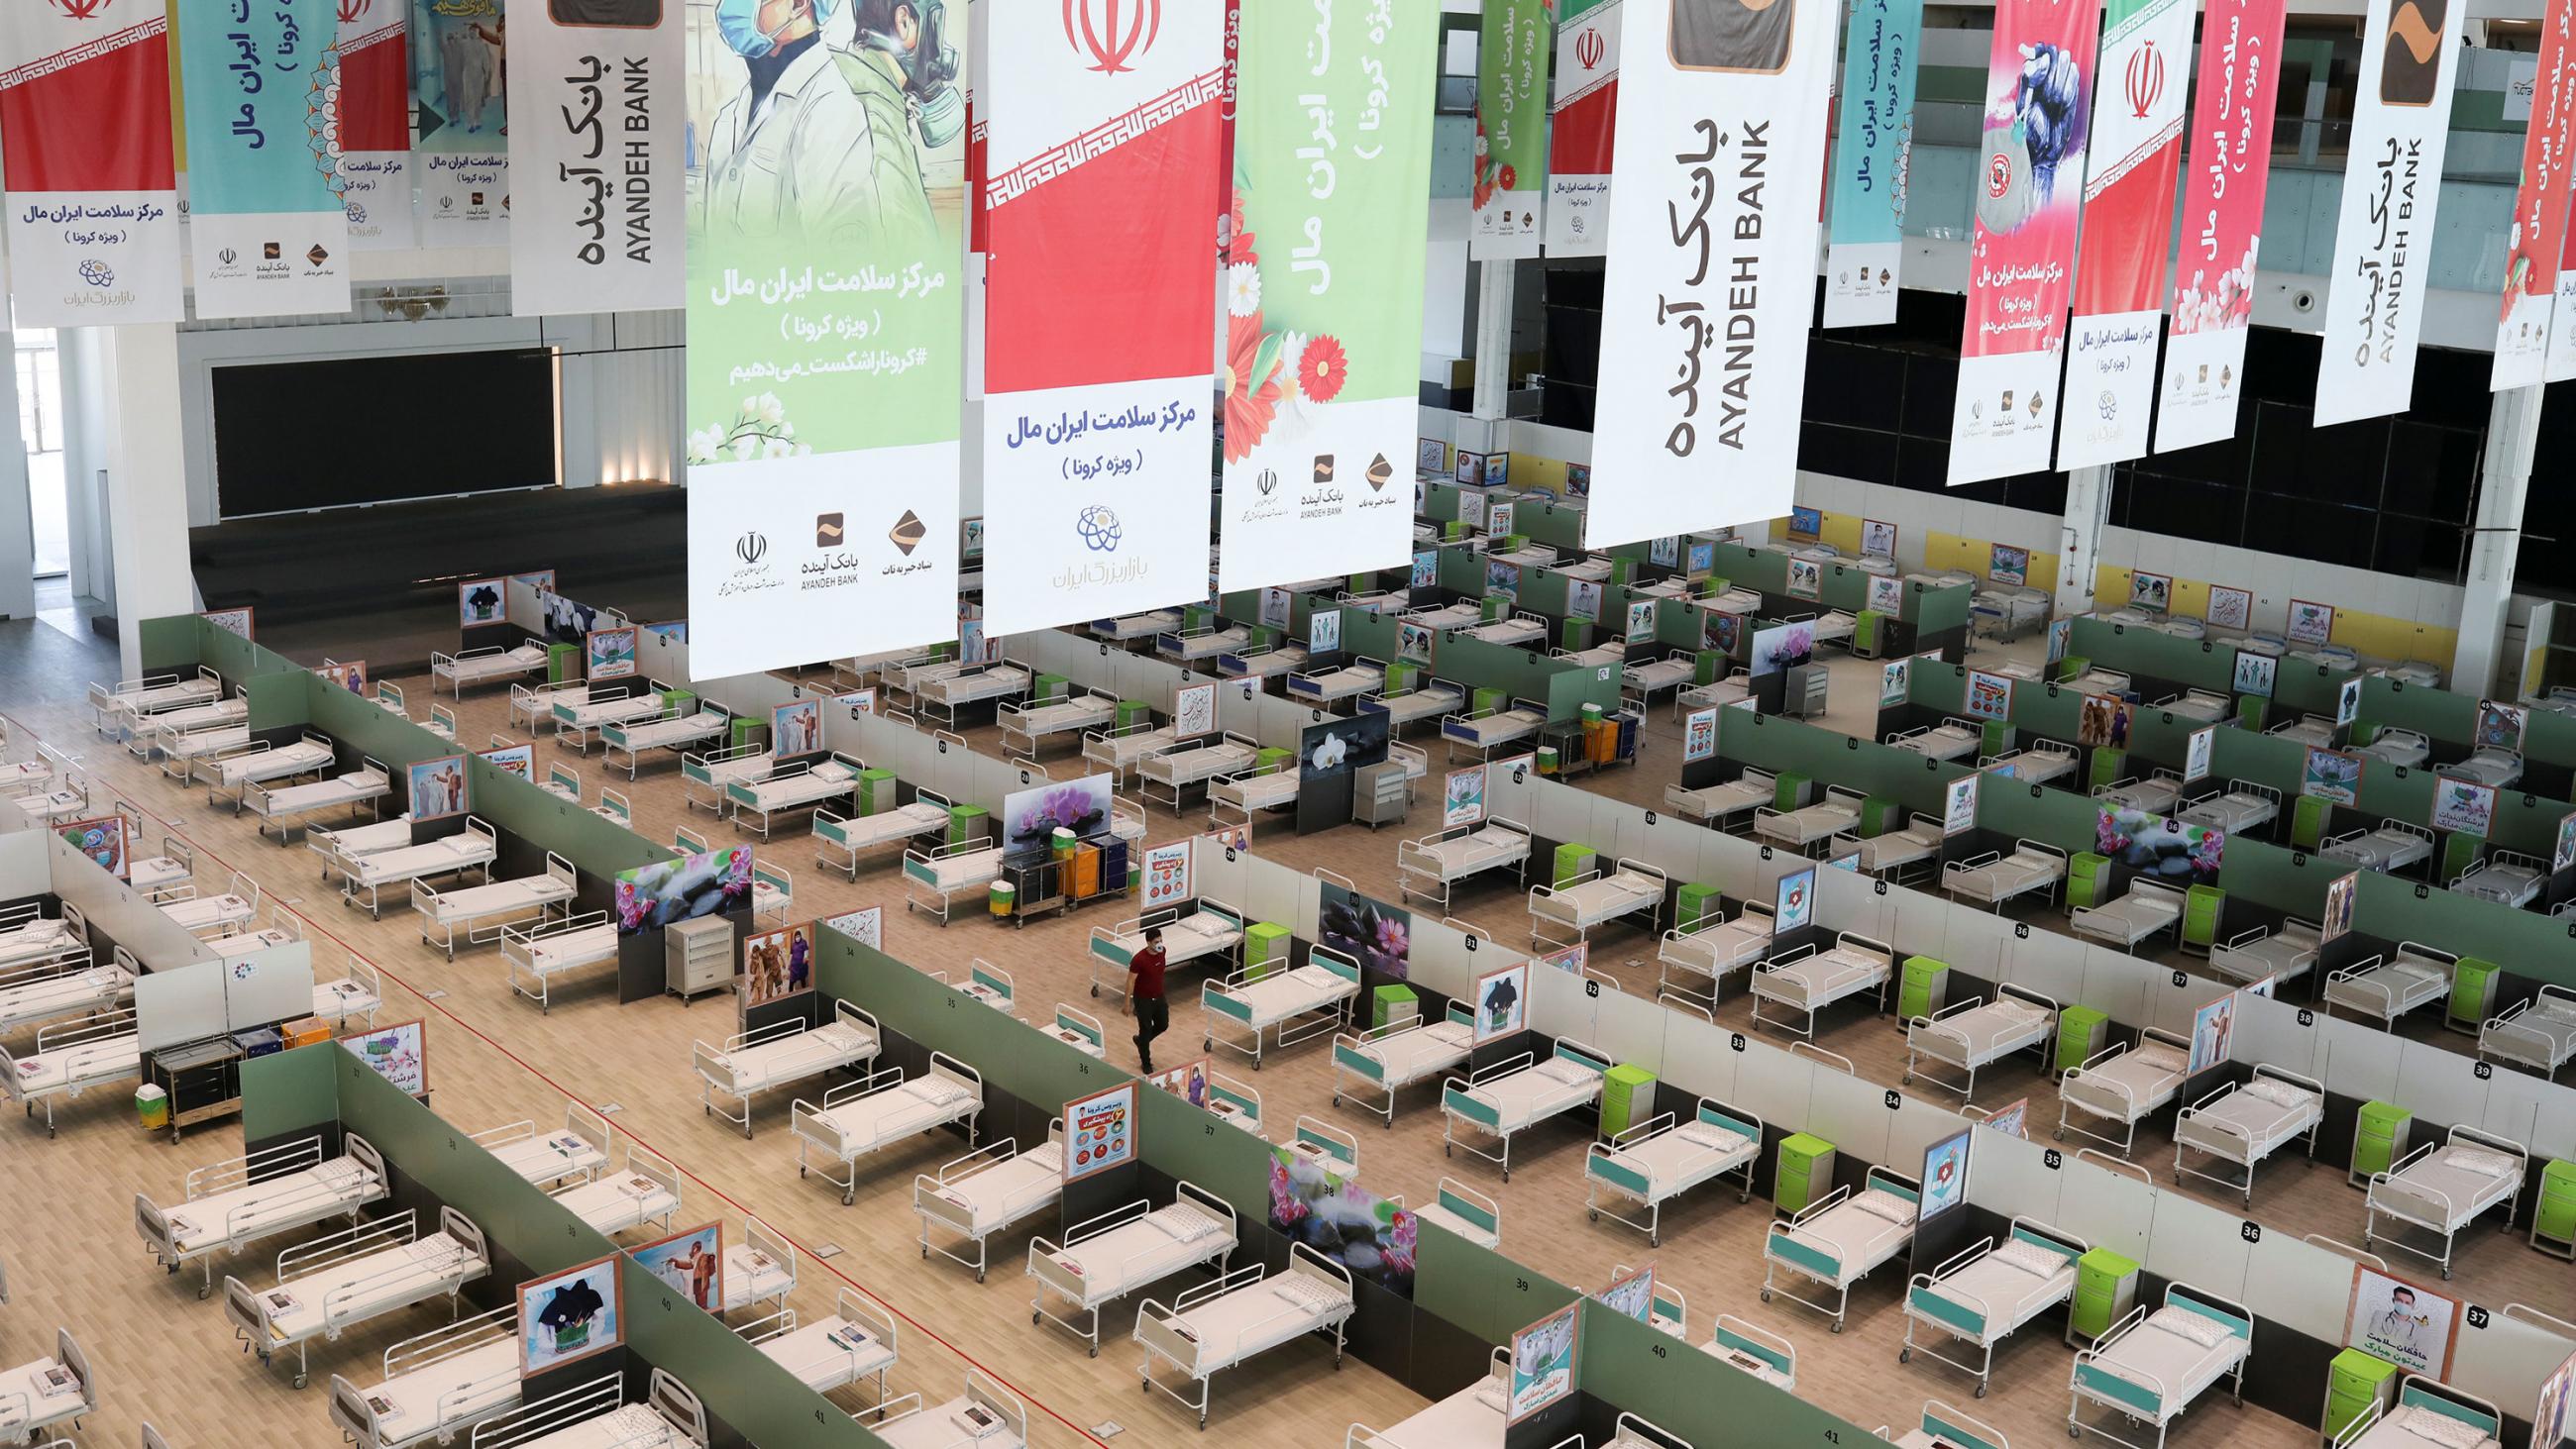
(1766, 1295)
(1593, 1215)
(1838, 1325)
(2059, 1134)
(1654, 1240)
(1981, 1391)
(2446, 1273)
(1095, 988)
(1033, 1318)
(1444, 1149)
(1095, 1353)
(2074, 1431)
(202, 1293)
(1905, 1355)
(849, 1197)
(299, 1381)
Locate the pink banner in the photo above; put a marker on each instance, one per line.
(2534, 242)
(2222, 223)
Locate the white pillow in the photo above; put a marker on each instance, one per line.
(1047, 1158)
(1494, 1396)
(2555, 1008)
(2183, 1323)
(1304, 1291)
(2279, 1093)
(2481, 1161)
(937, 1091)
(1710, 1136)
(1571, 1073)
(2441, 1429)
(2030, 1257)
(1886, 1205)
(1184, 1223)
(832, 770)
(2017, 1011)
(2160, 1057)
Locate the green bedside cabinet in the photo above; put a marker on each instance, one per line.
(744, 731)
(2378, 1139)
(1694, 902)
(2356, 1383)
(1627, 1098)
(2106, 1288)
(966, 822)
(2553, 1222)
(2108, 766)
(1806, 1172)
(2201, 908)
(1572, 861)
(2087, 876)
(1865, 629)
(876, 791)
(1134, 714)
(1265, 948)
(563, 663)
(1047, 688)
(1393, 1003)
(1925, 988)
(2308, 819)
(1792, 790)
(2082, 1031)
(2473, 993)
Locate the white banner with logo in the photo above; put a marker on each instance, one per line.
(2392, 181)
(599, 204)
(92, 190)
(1716, 185)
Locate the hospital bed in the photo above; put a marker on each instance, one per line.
(56, 807)
(1736, 600)
(935, 876)
(2150, 1366)
(1129, 628)
(1079, 1030)
(2201, 706)
(2244, 1122)
(1807, 980)
(2507, 878)
(1802, 828)
(153, 731)
(1384, 1060)
(2390, 847)
(781, 1054)
(2282, 955)
(354, 841)
(336, 1282)
(473, 848)
(1262, 661)
(2442, 1187)
(124, 704)
(1528, 556)
(533, 705)
(2538, 1032)
(1482, 732)
(1839, 1239)
(1715, 805)
(1951, 739)
(181, 750)
(2042, 762)
(2142, 913)
(159, 877)
(986, 1192)
(596, 1415)
(1994, 878)
(645, 1189)
(705, 774)
(984, 983)
(1596, 657)
(564, 782)
(1332, 686)
(2005, 611)
(2489, 765)
(1460, 1209)
(27, 938)
(2314, 731)
(1441, 617)
(537, 952)
(262, 762)
(1194, 762)
(681, 727)
(1432, 866)
(1520, 630)
(1943, 1427)
(578, 1149)
(1734, 689)
(484, 911)
(1511, 1096)
(1650, 677)
(2097, 680)
(986, 1416)
(856, 1120)
(64, 985)
(482, 666)
(855, 1341)
(1237, 1316)
(1110, 1256)
(1710, 947)
(70, 1058)
(1120, 749)
(1985, 1293)
(2242, 807)
(1193, 646)
(787, 789)
(1658, 1160)
(195, 913)
(2159, 794)
(2406, 749)
(1026, 727)
(1834, 626)
(1249, 793)
(360, 993)
(1279, 1008)
(1376, 601)
(1976, 1033)
(2123, 1084)
(1471, 1418)
(1214, 929)
(917, 673)
(2428, 1414)
(1592, 899)
(576, 719)
(37, 1395)
(436, 1385)
(2385, 988)
(231, 1204)
(1894, 854)
(856, 833)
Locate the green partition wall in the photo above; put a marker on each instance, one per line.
(742, 1388)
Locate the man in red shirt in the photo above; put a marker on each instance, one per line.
(1145, 998)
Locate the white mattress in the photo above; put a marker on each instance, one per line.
(473, 1383)
(1065, 714)
(284, 760)
(1726, 799)
(24, 1405)
(794, 1058)
(2399, 1430)
(344, 998)
(1827, 976)
(2035, 767)
(2004, 1293)
(2167, 1363)
(2015, 874)
(2420, 1191)
(566, 950)
(1508, 631)
(967, 869)
(52, 996)
(1672, 1162)
(1001, 679)
(636, 1426)
(2251, 1119)
(2286, 953)
(249, 1211)
(2130, 919)
(2408, 985)
(543, 1159)
(806, 787)
(525, 893)
(865, 1122)
(1235, 1325)
(1205, 762)
(591, 714)
(1007, 1191)
(492, 666)
(1340, 683)
(2501, 882)
(357, 840)
(1662, 673)
(1500, 727)
(829, 1352)
(936, 1428)
(1857, 1240)
(1283, 994)
(2150, 1086)
(1260, 792)
(1409, 1056)
(1900, 847)
(1464, 1420)
(437, 857)
(206, 741)
(2381, 850)
(1713, 949)
(1992, 1030)
(199, 716)
(392, 1278)
(1204, 646)
(2232, 813)
(1943, 742)
(204, 911)
(34, 941)
(1603, 898)
(1810, 823)
(1127, 749)
(1133, 1254)
(1424, 701)
(706, 724)
(615, 1203)
(752, 1274)
(1531, 1095)
(82, 1065)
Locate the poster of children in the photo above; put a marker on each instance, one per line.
(1989, 696)
(2410, 1326)
(691, 1262)
(777, 965)
(2255, 672)
(2102, 722)
(1502, 1002)
(796, 729)
(439, 789)
(1806, 579)
(1894, 677)
(1699, 735)
(2463, 805)
(1641, 621)
(1543, 1359)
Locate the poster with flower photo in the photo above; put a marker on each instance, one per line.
(2230, 608)
(1895, 678)
(1989, 696)
(2158, 847)
(2463, 805)
(1699, 735)
(1462, 798)
(2500, 725)
(2310, 623)
(1641, 621)
(1377, 935)
(1806, 579)
(2006, 564)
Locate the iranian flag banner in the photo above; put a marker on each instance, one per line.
(85, 142)
(375, 123)
(1511, 129)
(1585, 115)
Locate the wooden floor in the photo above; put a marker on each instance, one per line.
(164, 1356)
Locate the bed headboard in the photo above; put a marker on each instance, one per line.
(1898, 1183)
(944, 1065)
(460, 1227)
(2418, 1392)
(2056, 1240)
(1340, 965)
(1187, 1188)
(1733, 1119)
(671, 1399)
(999, 1400)
(2235, 1316)
(67, 1351)
(366, 1154)
(1952, 1427)
(1590, 1056)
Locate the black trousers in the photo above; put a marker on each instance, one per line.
(1153, 1018)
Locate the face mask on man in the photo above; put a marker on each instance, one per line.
(738, 21)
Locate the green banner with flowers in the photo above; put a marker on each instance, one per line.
(1512, 52)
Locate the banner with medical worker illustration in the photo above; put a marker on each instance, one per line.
(1705, 307)
(375, 123)
(1874, 142)
(1583, 122)
(1323, 288)
(459, 54)
(598, 208)
(2392, 181)
(1511, 129)
(267, 232)
(85, 144)
(2228, 168)
(2029, 185)
(2131, 157)
(2536, 239)
(1103, 179)
(825, 313)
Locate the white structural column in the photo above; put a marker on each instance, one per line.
(2504, 477)
(17, 528)
(2079, 550)
(147, 481)
(1493, 340)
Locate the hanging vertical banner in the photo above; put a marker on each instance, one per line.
(267, 229)
(1874, 144)
(1705, 307)
(1096, 421)
(2029, 186)
(375, 123)
(1323, 287)
(979, 127)
(179, 114)
(2392, 180)
(2561, 363)
(598, 208)
(1511, 129)
(91, 187)
(826, 355)
(2131, 158)
(1583, 123)
(2536, 240)
(459, 65)
(2222, 222)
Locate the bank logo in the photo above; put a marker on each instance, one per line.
(908, 532)
(1323, 468)
(828, 532)
(1099, 529)
(317, 256)
(1380, 473)
(751, 548)
(1112, 32)
(270, 251)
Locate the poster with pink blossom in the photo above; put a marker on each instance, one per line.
(2224, 178)
(1314, 1203)
(2158, 847)
(1377, 935)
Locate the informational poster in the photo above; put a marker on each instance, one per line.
(1193, 711)
(1877, 539)
(2463, 805)
(1462, 798)
(1632, 1296)
(2342, 894)
(1989, 696)
(1323, 288)
(2197, 749)
(1945, 1176)
(2230, 608)
(598, 204)
(1641, 622)
(2330, 775)
(1498, 519)
(2557, 1395)
(1895, 681)
(1167, 876)
(517, 760)
(2255, 673)
(374, 115)
(2500, 725)
(2310, 623)
(1884, 595)
(1502, 1002)
(438, 789)
(349, 674)
(104, 840)
(2348, 702)
(1583, 124)
(1794, 900)
(268, 235)
(609, 654)
(796, 729)
(858, 701)
(2213, 1033)
(1544, 1359)
(2537, 237)
(2012, 1119)
(398, 1052)
(1705, 310)
(231, 621)
(2225, 176)
(1699, 735)
(1806, 524)
(1510, 179)
(2410, 1326)
(1100, 1132)
(91, 180)
(2029, 185)
(2392, 181)
(1806, 579)
(572, 1315)
(461, 110)
(2563, 855)
(2102, 722)
(1959, 805)
(1873, 147)
(2006, 564)
(2562, 317)
(2151, 592)
(826, 351)
(1097, 421)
